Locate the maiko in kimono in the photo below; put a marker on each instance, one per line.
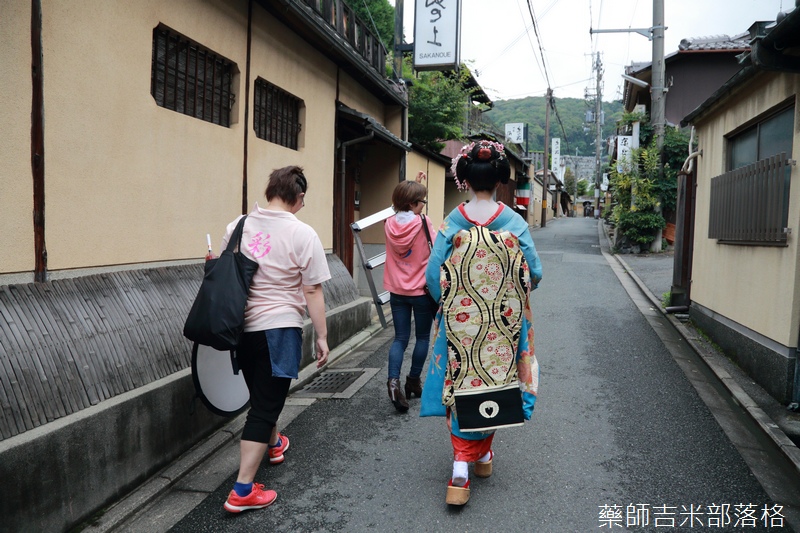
(483, 374)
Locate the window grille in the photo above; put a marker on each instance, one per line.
(190, 79)
(276, 116)
(750, 205)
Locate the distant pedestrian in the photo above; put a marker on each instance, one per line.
(407, 254)
(483, 266)
(291, 269)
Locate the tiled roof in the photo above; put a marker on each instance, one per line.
(716, 42)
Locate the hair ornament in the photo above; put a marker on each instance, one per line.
(470, 154)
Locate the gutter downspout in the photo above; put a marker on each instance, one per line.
(247, 104)
(404, 155)
(40, 274)
(346, 144)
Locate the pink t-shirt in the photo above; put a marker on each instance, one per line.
(289, 255)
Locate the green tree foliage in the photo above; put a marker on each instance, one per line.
(531, 110)
(437, 108)
(569, 181)
(436, 101)
(379, 11)
(676, 150)
(569, 184)
(641, 187)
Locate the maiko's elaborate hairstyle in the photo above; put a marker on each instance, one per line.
(482, 164)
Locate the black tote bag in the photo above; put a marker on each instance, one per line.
(217, 315)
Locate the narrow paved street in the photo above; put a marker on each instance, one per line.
(617, 422)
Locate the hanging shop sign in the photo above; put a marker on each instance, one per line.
(515, 132)
(437, 34)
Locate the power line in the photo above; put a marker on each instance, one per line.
(506, 49)
(374, 26)
(539, 40)
(533, 49)
(524, 32)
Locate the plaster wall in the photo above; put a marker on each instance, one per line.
(380, 174)
(756, 286)
(435, 209)
(535, 206)
(16, 183)
(282, 58)
(126, 180)
(356, 96)
(130, 183)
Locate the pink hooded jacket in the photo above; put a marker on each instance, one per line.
(407, 256)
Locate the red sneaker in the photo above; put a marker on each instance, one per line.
(276, 452)
(257, 499)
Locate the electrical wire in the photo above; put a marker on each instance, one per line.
(374, 26)
(490, 63)
(539, 40)
(493, 61)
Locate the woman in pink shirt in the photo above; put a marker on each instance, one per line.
(407, 254)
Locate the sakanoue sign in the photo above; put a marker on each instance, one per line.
(437, 34)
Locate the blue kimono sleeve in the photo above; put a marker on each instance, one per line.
(531, 257)
(528, 402)
(442, 246)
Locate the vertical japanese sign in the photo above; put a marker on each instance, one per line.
(437, 34)
(624, 147)
(515, 132)
(556, 151)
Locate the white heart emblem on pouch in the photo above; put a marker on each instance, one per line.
(489, 409)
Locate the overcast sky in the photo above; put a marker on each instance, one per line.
(499, 44)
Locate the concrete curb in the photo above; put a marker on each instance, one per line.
(764, 421)
(163, 481)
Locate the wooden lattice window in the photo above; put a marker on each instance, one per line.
(277, 114)
(189, 78)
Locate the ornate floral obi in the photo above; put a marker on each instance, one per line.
(485, 284)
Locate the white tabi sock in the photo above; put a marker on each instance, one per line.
(460, 473)
(486, 458)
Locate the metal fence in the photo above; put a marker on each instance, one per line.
(750, 205)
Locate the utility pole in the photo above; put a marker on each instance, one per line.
(546, 173)
(657, 103)
(398, 40)
(657, 89)
(598, 141)
(397, 66)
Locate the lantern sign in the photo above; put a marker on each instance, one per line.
(437, 34)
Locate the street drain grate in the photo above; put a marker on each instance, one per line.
(332, 382)
(337, 383)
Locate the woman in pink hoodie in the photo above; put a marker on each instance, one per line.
(407, 254)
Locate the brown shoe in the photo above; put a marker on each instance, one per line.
(413, 387)
(484, 469)
(396, 395)
(457, 495)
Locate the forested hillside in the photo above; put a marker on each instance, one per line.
(531, 110)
